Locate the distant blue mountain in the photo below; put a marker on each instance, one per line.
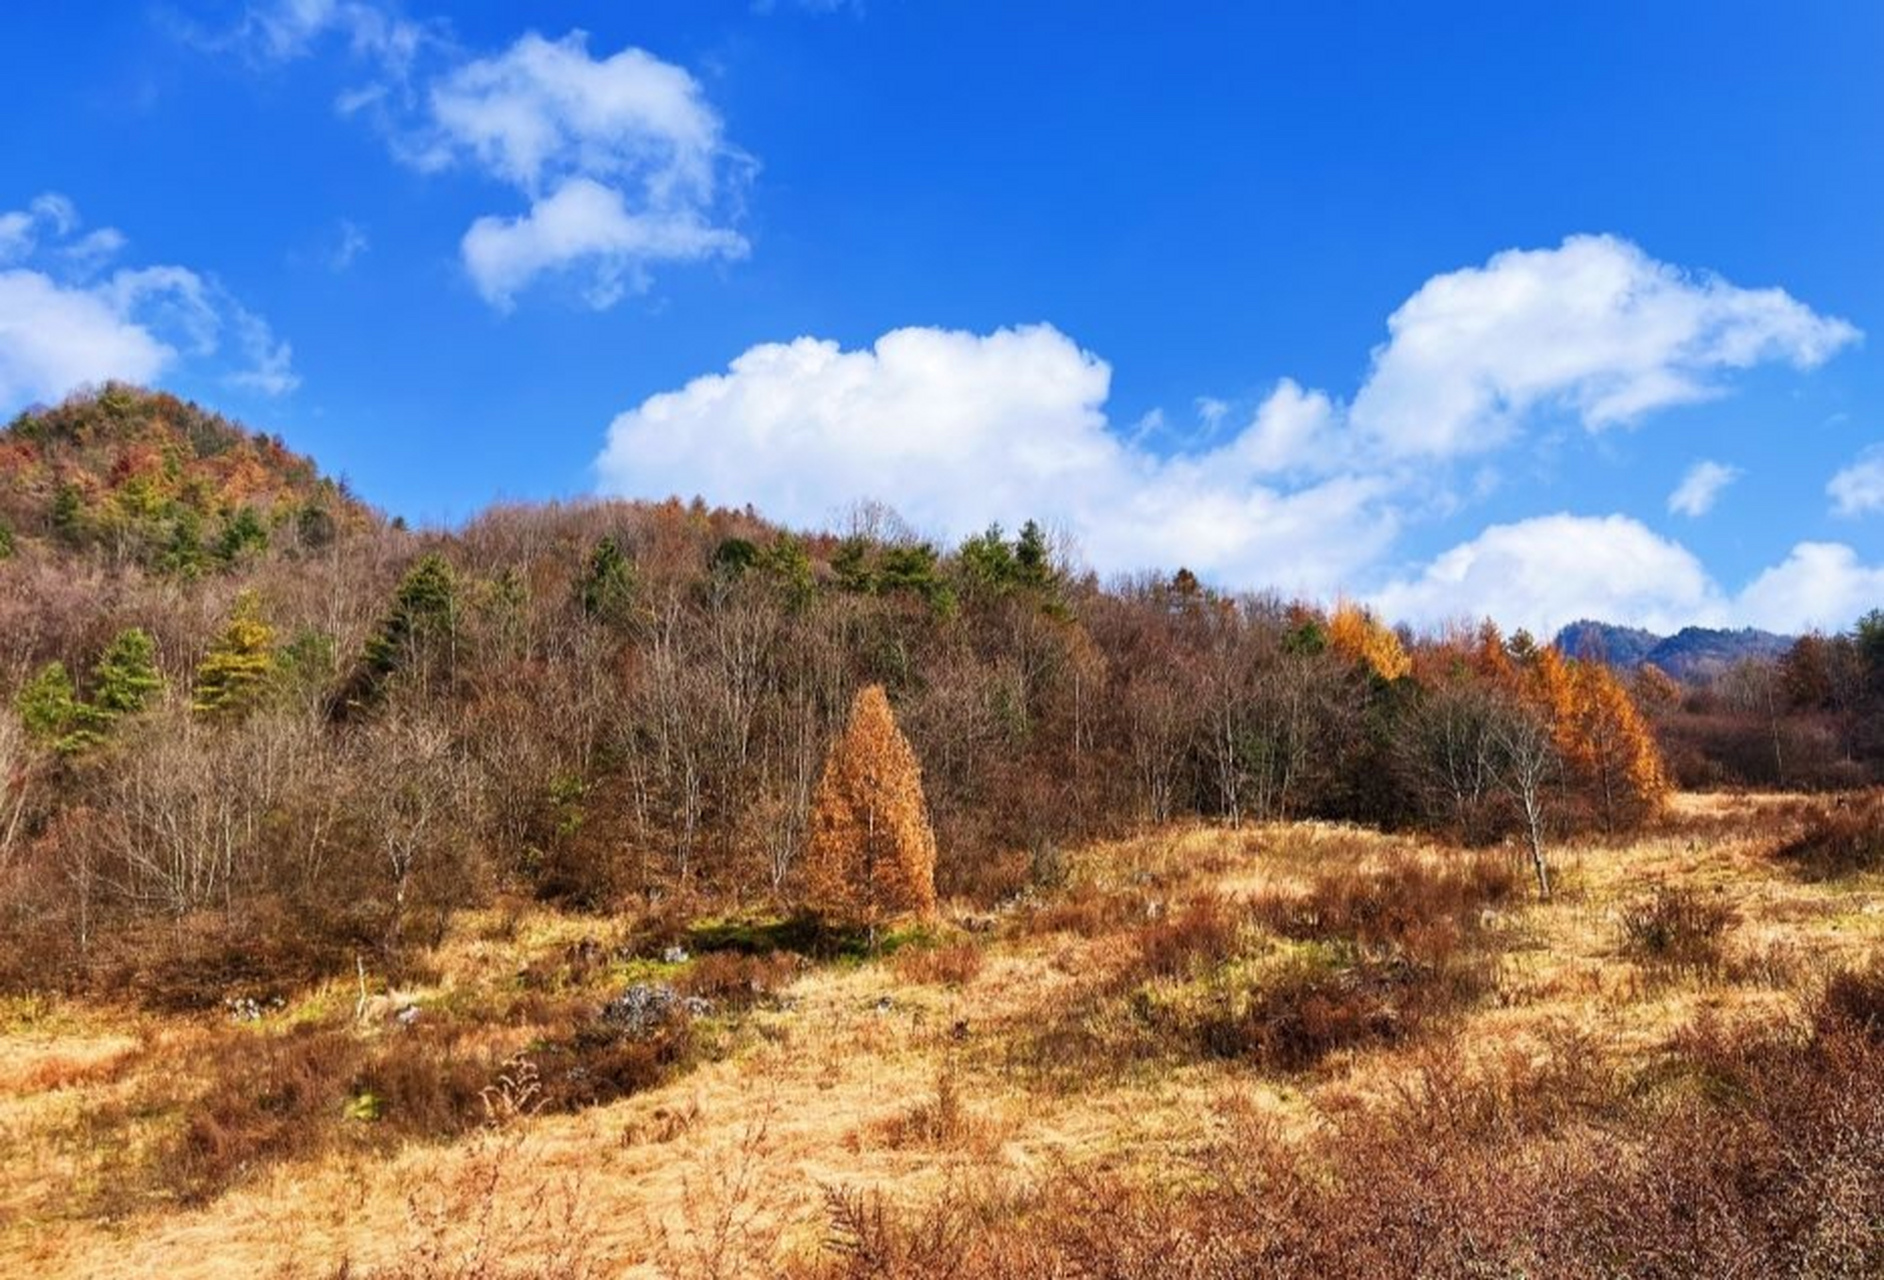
(1693, 653)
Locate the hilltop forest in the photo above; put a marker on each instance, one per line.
(255, 731)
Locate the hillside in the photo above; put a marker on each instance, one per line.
(644, 888)
(1693, 653)
(161, 483)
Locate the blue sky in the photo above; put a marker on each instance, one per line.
(1457, 309)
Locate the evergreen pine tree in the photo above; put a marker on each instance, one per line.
(1031, 562)
(241, 534)
(52, 714)
(423, 618)
(126, 675)
(68, 513)
(239, 666)
(608, 587)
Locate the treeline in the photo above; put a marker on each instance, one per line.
(1810, 719)
(254, 773)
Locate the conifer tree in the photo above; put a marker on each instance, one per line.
(871, 853)
(68, 513)
(126, 678)
(607, 593)
(1031, 562)
(237, 670)
(50, 710)
(424, 617)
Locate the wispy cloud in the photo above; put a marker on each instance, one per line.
(1701, 487)
(1859, 488)
(64, 325)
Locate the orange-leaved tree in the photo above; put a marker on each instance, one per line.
(1362, 639)
(871, 855)
(1602, 738)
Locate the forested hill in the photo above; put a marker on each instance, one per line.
(248, 727)
(1693, 653)
(157, 482)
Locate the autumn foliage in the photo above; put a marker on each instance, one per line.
(1602, 738)
(871, 855)
(1356, 634)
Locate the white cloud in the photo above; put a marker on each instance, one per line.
(622, 158)
(584, 221)
(621, 161)
(1821, 585)
(1595, 328)
(349, 243)
(282, 30)
(53, 339)
(1859, 488)
(1701, 487)
(1547, 571)
(956, 429)
(1551, 570)
(61, 329)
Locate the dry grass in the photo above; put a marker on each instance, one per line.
(873, 1118)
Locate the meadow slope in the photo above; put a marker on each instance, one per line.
(1111, 1033)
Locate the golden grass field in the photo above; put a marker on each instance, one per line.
(912, 1074)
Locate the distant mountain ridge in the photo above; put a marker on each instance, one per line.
(1691, 653)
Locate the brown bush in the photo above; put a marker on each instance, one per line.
(271, 1098)
(1086, 910)
(1411, 908)
(1206, 931)
(1841, 838)
(955, 965)
(1677, 927)
(735, 980)
(1302, 1012)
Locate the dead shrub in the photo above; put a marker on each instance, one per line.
(954, 965)
(1842, 838)
(1086, 910)
(499, 1214)
(1677, 928)
(941, 1122)
(733, 980)
(1853, 1001)
(598, 1064)
(1411, 907)
(270, 1098)
(1206, 931)
(1303, 1011)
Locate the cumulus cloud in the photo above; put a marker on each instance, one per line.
(1309, 493)
(1700, 487)
(1594, 328)
(60, 328)
(1821, 585)
(1545, 572)
(956, 429)
(1859, 488)
(1550, 570)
